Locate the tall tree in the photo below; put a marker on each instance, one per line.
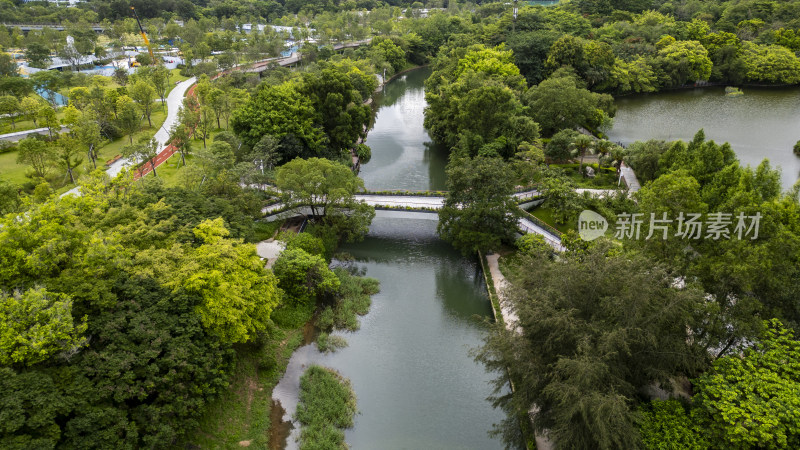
(10, 107)
(143, 152)
(593, 328)
(238, 293)
(37, 154)
(328, 188)
(582, 145)
(67, 155)
(479, 212)
(128, 117)
(143, 93)
(35, 325)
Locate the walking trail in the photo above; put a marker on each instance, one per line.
(511, 321)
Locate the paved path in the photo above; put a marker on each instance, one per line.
(17, 135)
(174, 104)
(630, 177)
(511, 322)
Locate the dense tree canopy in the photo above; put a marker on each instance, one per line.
(594, 328)
(478, 212)
(115, 318)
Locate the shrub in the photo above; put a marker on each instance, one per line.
(364, 153)
(327, 343)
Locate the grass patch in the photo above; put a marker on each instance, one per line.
(605, 178)
(242, 413)
(265, 230)
(327, 407)
(352, 300)
(546, 215)
(327, 343)
(11, 171)
(293, 316)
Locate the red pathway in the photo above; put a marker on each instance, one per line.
(163, 155)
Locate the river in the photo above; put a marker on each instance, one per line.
(762, 123)
(409, 364)
(403, 156)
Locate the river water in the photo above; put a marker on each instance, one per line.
(762, 123)
(403, 156)
(409, 364)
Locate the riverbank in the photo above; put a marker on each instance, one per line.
(505, 314)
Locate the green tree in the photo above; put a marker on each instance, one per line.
(749, 400)
(29, 107)
(49, 81)
(560, 196)
(10, 107)
(47, 118)
(474, 102)
(160, 77)
(278, 111)
(128, 117)
(684, 62)
(558, 103)
(303, 276)
(67, 151)
(35, 325)
(772, 64)
(582, 145)
(143, 93)
(478, 212)
(328, 189)
(87, 131)
(558, 149)
(596, 327)
(665, 425)
(143, 152)
(337, 93)
(633, 76)
(38, 55)
(37, 154)
(389, 52)
(10, 198)
(216, 158)
(238, 293)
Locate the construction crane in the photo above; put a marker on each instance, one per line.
(144, 36)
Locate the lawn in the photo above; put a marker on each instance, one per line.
(546, 215)
(11, 171)
(604, 178)
(22, 125)
(169, 171)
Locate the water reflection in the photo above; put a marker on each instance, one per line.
(763, 123)
(403, 156)
(409, 364)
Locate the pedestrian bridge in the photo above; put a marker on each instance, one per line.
(422, 203)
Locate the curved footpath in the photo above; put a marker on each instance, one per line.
(174, 105)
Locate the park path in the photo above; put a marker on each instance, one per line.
(19, 135)
(174, 105)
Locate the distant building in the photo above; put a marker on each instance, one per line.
(57, 2)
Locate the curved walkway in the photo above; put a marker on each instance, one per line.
(432, 203)
(174, 105)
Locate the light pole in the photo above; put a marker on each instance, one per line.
(514, 23)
